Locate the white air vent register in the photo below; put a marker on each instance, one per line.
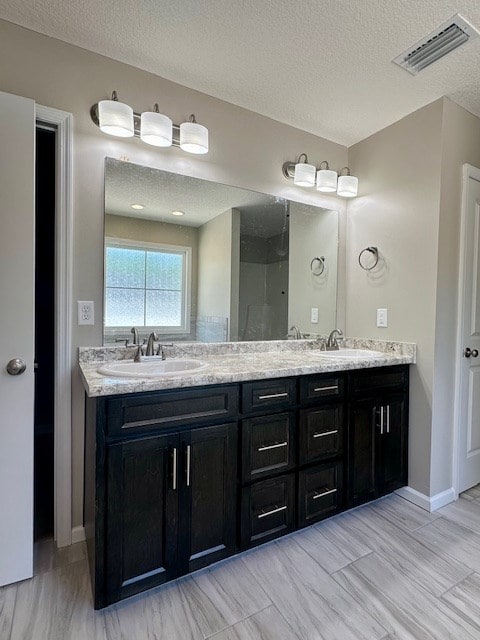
(447, 37)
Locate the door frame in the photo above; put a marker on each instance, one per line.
(63, 123)
(468, 172)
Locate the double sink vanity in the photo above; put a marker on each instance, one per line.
(224, 446)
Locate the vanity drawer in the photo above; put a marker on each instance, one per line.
(320, 492)
(129, 415)
(320, 433)
(268, 394)
(268, 445)
(321, 386)
(376, 379)
(268, 510)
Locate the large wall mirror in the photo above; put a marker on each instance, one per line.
(196, 260)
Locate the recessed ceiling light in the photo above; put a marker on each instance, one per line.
(177, 213)
(137, 206)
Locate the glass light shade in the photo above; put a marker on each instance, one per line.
(326, 180)
(193, 137)
(304, 174)
(115, 118)
(347, 186)
(156, 129)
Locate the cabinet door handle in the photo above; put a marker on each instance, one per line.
(174, 469)
(325, 433)
(325, 493)
(388, 418)
(273, 395)
(381, 421)
(334, 387)
(264, 514)
(272, 446)
(189, 460)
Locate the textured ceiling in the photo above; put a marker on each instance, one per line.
(323, 66)
(161, 192)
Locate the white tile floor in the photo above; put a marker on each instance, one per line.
(385, 571)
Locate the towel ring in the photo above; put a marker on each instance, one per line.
(374, 252)
(317, 271)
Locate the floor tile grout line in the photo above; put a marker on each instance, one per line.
(473, 572)
(238, 622)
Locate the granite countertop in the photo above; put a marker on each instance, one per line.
(236, 362)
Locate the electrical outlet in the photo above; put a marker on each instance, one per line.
(85, 312)
(382, 318)
(314, 316)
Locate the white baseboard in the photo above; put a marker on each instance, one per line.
(429, 503)
(78, 534)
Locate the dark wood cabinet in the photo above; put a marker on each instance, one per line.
(176, 480)
(378, 432)
(207, 496)
(142, 515)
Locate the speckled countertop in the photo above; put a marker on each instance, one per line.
(236, 362)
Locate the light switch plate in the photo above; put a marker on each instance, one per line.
(86, 312)
(382, 318)
(314, 316)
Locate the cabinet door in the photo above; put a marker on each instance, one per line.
(363, 452)
(208, 496)
(142, 510)
(393, 452)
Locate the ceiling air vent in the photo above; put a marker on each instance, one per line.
(446, 38)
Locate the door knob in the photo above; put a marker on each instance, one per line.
(16, 366)
(470, 352)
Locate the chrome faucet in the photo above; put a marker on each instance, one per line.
(150, 344)
(296, 332)
(135, 335)
(332, 343)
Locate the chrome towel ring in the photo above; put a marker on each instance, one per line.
(317, 265)
(361, 258)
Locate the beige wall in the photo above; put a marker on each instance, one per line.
(246, 150)
(312, 235)
(398, 212)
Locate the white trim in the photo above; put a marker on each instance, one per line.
(429, 503)
(63, 122)
(78, 534)
(468, 171)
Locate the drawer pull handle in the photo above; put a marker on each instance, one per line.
(325, 433)
(388, 418)
(264, 514)
(273, 395)
(174, 469)
(273, 446)
(325, 493)
(334, 387)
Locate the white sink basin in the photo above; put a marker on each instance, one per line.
(151, 368)
(351, 354)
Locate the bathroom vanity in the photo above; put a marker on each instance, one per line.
(181, 475)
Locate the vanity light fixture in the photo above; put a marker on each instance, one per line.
(118, 119)
(326, 179)
(193, 136)
(138, 207)
(115, 118)
(303, 174)
(347, 184)
(155, 128)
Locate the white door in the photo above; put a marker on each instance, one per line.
(469, 336)
(17, 173)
